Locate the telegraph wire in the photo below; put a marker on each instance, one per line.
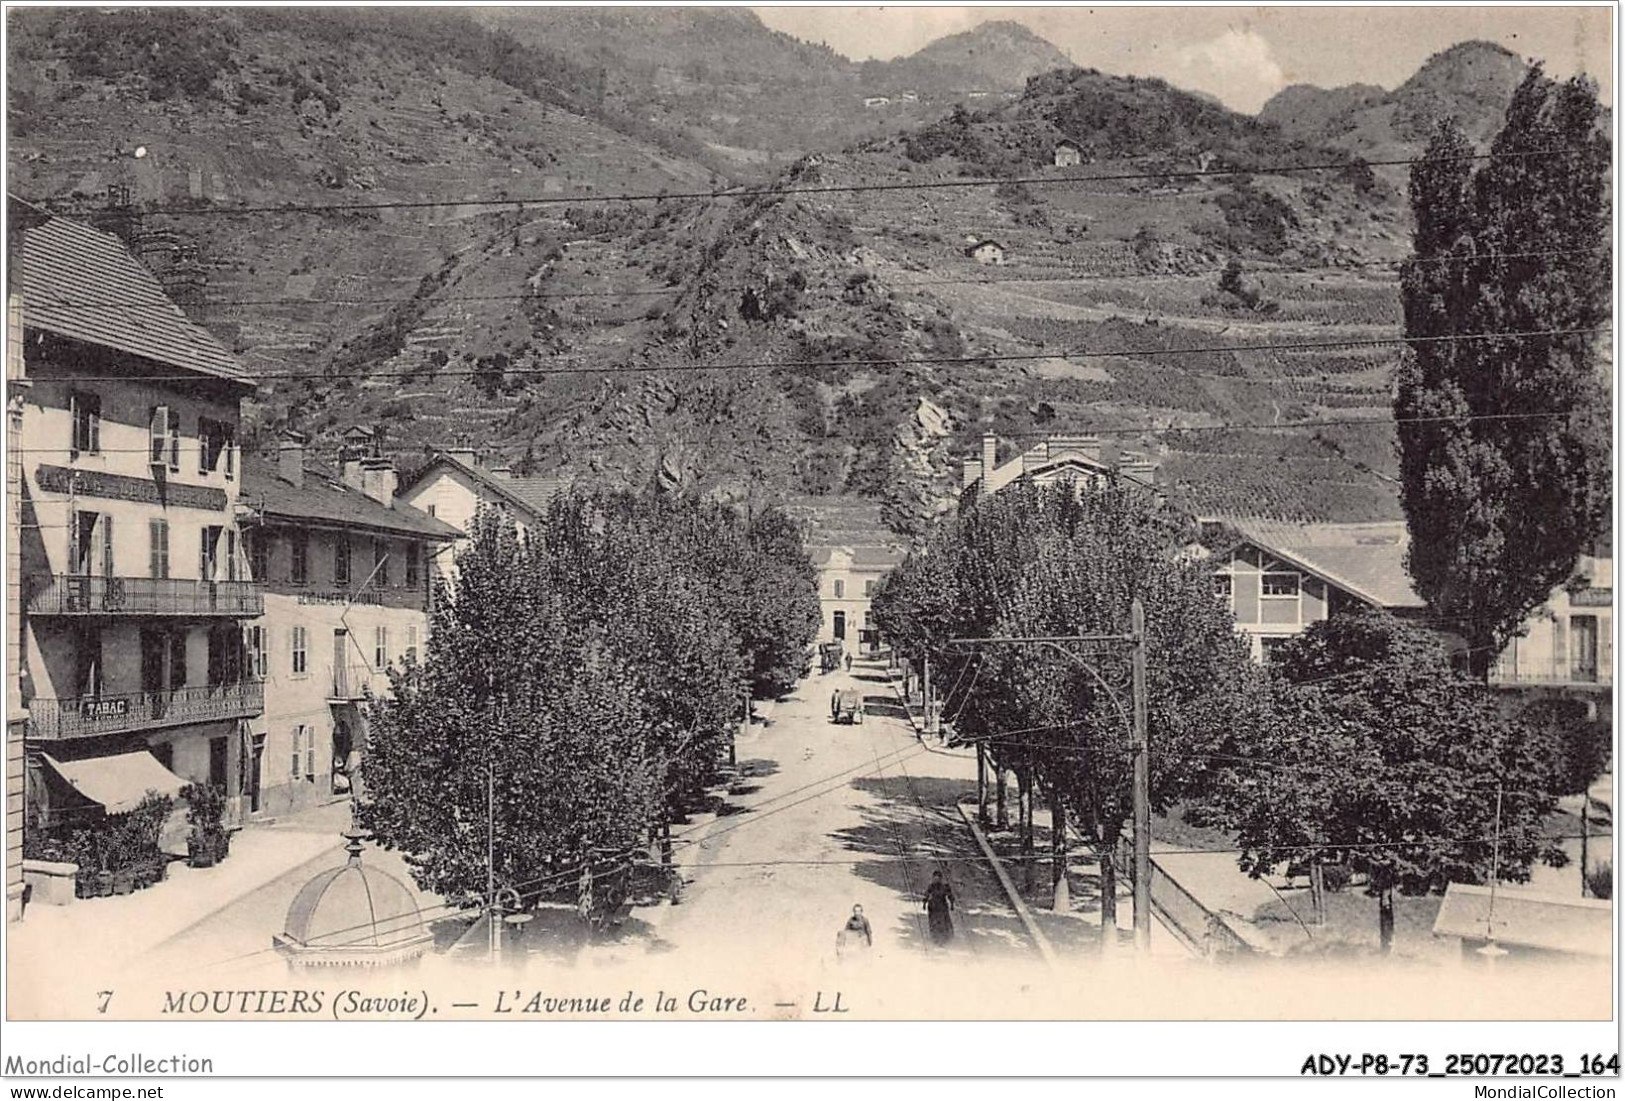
(984, 359)
(745, 192)
(674, 291)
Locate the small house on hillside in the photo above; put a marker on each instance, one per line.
(1068, 154)
(986, 252)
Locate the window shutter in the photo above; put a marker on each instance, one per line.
(293, 770)
(107, 545)
(1605, 650)
(1560, 647)
(152, 557)
(95, 427)
(174, 440)
(203, 554)
(158, 435)
(202, 445)
(74, 402)
(231, 554)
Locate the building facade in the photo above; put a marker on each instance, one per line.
(847, 577)
(347, 571)
(135, 588)
(986, 252)
(455, 485)
(1279, 579)
(1067, 154)
(1085, 459)
(1567, 646)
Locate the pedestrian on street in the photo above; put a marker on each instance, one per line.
(855, 936)
(849, 663)
(939, 905)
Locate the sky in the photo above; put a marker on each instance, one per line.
(1242, 55)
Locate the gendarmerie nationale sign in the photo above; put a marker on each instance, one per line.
(122, 487)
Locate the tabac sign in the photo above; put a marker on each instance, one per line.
(91, 710)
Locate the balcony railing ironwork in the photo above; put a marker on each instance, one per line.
(351, 682)
(88, 716)
(81, 594)
(1553, 673)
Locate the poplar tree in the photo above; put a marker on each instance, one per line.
(1505, 447)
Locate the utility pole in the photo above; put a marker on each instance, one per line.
(1142, 785)
(925, 692)
(494, 933)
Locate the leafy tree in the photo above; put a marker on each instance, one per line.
(1373, 751)
(1505, 447)
(1063, 560)
(515, 692)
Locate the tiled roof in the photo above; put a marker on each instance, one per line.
(82, 283)
(327, 500)
(530, 495)
(870, 557)
(1367, 560)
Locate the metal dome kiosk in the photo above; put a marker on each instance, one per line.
(352, 916)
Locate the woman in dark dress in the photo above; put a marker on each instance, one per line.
(939, 905)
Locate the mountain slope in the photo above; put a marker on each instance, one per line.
(993, 56)
(1471, 82)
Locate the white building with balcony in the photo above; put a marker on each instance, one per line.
(135, 588)
(1567, 646)
(347, 570)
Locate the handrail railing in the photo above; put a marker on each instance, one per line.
(87, 716)
(91, 594)
(351, 681)
(1553, 671)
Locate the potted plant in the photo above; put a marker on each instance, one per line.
(207, 844)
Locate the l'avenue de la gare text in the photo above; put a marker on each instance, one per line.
(315, 1001)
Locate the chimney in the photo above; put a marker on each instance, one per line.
(970, 473)
(505, 472)
(378, 479)
(290, 457)
(465, 455)
(990, 455)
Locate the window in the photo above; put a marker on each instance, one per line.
(840, 588)
(174, 440)
(412, 642)
(1283, 585)
(298, 745)
(869, 588)
(256, 641)
(259, 554)
(89, 672)
(208, 554)
(177, 660)
(231, 554)
(158, 561)
(341, 560)
(299, 551)
(158, 436)
(297, 644)
(380, 561)
(412, 567)
(431, 510)
(86, 411)
(84, 542)
(380, 646)
(214, 449)
(1223, 584)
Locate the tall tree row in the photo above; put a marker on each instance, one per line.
(580, 686)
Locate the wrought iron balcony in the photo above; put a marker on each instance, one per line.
(89, 595)
(1552, 673)
(89, 716)
(351, 682)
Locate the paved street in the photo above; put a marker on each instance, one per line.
(833, 816)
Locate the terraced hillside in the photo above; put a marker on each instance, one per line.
(806, 341)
